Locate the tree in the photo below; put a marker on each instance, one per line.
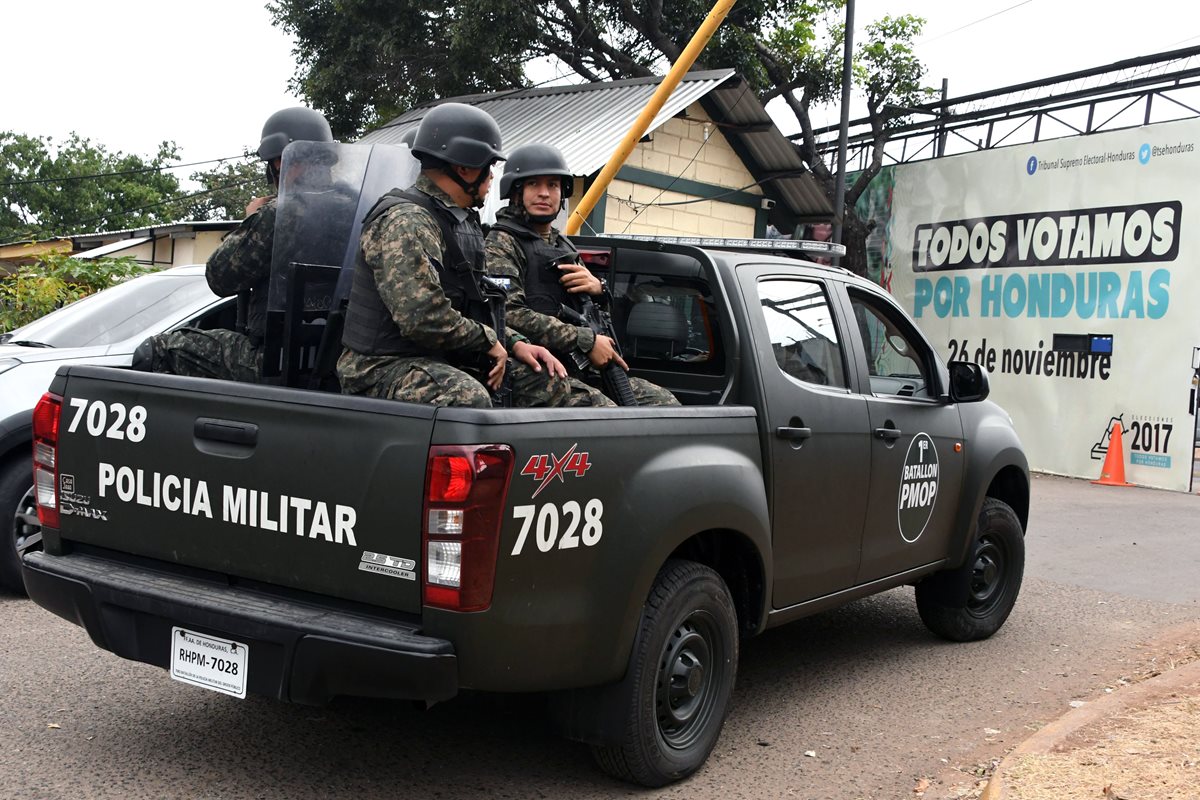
(50, 189)
(55, 280)
(225, 191)
(362, 62)
(359, 59)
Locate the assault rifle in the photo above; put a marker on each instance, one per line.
(496, 298)
(616, 380)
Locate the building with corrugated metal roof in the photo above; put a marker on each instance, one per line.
(169, 244)
(712, 162)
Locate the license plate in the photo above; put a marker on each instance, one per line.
(217, 664)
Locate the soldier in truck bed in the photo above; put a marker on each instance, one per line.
(418, 327)
(544, 271)
(242, 263)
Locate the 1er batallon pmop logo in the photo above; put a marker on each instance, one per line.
(918, 487)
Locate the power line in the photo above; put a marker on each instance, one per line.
(167, 202)
(703, 144)
(976, 22)
(123, 172)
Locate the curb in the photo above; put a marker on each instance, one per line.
(1058, 731)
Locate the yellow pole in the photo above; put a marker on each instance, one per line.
(680, 68)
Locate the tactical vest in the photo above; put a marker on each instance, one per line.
(543, 293)
(369, 328)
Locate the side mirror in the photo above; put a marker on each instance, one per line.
(968, 382)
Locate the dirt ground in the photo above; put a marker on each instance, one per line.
(1150, 754)
(1151, 751)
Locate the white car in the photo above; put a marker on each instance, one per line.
(102, 329)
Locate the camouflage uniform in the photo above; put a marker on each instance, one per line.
(506, 257)
(398, 248)
(241, 263)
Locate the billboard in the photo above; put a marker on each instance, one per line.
(1071, 270)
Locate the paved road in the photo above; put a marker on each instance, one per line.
(878, 700)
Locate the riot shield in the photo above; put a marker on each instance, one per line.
(325, 190)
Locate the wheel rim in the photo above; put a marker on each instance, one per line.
(26, 528)
(690, 673)
(987, 576)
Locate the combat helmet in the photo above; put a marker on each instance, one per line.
(297, 124)
(459, 134)
(529, 160)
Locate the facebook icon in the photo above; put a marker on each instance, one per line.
(1031, 165)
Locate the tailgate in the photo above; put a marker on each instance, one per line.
(306, 490)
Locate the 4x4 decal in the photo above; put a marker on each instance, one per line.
(544, 468)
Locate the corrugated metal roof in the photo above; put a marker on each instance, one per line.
(587, 122)
(771, 153)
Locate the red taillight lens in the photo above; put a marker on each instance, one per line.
(449, 478)
(466, 488)
(46, 415)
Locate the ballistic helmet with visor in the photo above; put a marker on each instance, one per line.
(459, 134)
(292, 125)
(530, 160)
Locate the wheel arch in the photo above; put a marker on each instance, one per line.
(734, 557)
(1005, 478)
(16, 438)
(1011, 486)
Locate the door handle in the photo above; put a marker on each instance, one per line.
(793, 433)
(887, 434)
(224, 430)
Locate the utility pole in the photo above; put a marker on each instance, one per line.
(839, 197)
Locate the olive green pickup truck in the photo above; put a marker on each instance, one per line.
(303, 544)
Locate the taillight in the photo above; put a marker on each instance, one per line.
(465, 491)
(46, 415)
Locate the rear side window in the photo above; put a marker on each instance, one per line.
(667, 322)
(803, 336)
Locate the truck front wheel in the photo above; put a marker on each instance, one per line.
(682, 674)
(971, 602)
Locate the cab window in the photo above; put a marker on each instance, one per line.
(803, 336)
(667, 323)
(897, 360)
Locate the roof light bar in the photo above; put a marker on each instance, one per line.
(777, 245)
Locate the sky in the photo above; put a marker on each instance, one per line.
(129, 74)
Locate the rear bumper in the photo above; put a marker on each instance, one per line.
(300, 652)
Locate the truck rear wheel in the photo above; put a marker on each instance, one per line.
(682, 674)
(971, 602)
(19, 517)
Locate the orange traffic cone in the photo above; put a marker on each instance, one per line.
(1113, 471)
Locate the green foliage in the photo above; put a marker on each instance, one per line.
(43, 191)
(805, 53)
(887, 69)
(55, 280)
(225, 191)
(362, 62)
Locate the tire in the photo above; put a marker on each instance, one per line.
(18, 514)
(682, 674)
(972, 602)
